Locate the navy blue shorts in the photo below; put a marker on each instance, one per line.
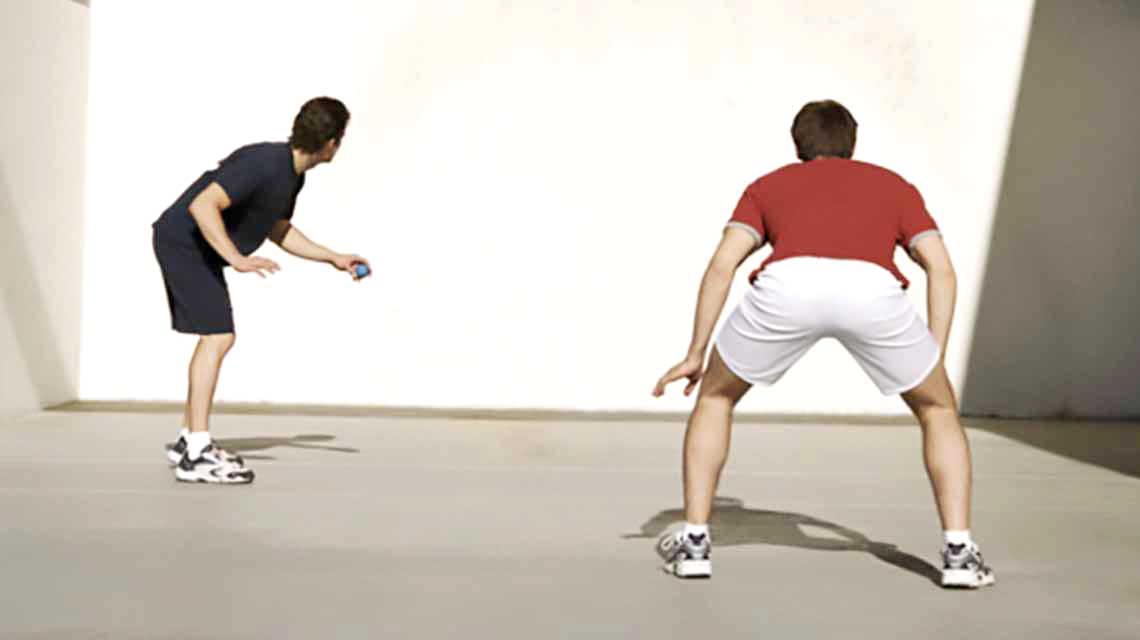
(195, 288)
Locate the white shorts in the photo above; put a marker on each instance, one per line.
(796, 301)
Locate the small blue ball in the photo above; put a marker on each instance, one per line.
(362, 270)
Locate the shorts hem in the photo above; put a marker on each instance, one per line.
(735, 371)
(925, 374)
(203, 332)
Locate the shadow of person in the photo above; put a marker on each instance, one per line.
(733, 524)
(303, 441)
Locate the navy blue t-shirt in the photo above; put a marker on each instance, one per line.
(262, 185)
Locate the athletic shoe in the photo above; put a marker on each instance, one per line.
(176, 449)
(212, 466)
(963, 567)
(686, 556)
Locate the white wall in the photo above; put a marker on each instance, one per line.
(539, 188)
(43, 90)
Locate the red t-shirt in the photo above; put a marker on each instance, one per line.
(834, 208)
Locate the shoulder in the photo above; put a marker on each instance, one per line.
(885, 177)
(774, 178)
(258, 162)
(256, 151)
(786, 171)
(245, 170)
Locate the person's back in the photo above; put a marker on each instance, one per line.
(834, 224)
(834, 207)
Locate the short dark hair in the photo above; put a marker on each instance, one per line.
(824, 128)
(318, 121)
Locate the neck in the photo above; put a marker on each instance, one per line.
(302, 161)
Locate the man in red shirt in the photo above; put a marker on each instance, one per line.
(833, 224)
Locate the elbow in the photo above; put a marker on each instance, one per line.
(202, 208)
(943, 273)
(278, 234)
(197, 210)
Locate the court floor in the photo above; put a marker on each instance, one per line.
(404, 527)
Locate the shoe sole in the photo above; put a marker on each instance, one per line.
(690, 569)
(243, 477)
(966, 579)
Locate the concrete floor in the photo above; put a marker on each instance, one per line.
(366, 527)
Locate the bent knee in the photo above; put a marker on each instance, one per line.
(933, 394)
(720, 392)
(720, 384)
(219, 342)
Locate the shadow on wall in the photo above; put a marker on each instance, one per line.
(1056, 332)
(733, 524)
(27, 311)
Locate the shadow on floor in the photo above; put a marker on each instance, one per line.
(733, 524)
(1109, 445)
(303, 441)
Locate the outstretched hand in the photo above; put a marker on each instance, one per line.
(255, 264)
(691, 367)
(348, 261)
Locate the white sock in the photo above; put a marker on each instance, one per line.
(958, 537)
(197, 442)
(184, 433)
(696, 529)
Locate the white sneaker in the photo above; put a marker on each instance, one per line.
(213, 467)
(963, 567)
(686, 556)
(175, 450)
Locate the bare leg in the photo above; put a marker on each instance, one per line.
(204, 369)
(944, 447)
(186, 407)
(707, 437)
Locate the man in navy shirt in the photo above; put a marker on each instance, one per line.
(219, 221)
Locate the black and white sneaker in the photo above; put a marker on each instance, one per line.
(175, 450)
(963, 567)
(686, 556)
(212, 466)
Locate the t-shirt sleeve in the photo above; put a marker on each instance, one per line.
(749, 215)
(240, 175)
(915, 222)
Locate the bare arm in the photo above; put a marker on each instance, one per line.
(941, 286)
(290, 239)
(735, 246)
(206, 210)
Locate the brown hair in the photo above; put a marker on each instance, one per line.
(318, 121)
(824, 128)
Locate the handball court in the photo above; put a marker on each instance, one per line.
(425, 524)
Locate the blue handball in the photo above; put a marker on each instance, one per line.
(362, 270)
